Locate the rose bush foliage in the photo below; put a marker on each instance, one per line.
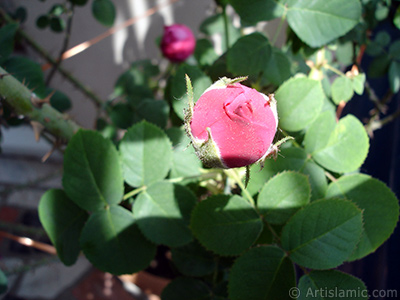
(310, 209)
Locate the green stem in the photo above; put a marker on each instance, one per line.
(292, 140)
(22, 100)
(334, 70)
(226, 27)
(134, 192)
(232, 173)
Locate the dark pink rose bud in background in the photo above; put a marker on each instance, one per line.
(178, 42)
(232, 125)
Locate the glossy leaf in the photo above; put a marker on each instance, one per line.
(253, 11)
(342, 89)
(59, 100)
(193, 260)
(294, 159)
(331, 284)
(282, 196)
(104, 12)
(339, 147)
(200, 83)
(186, 288)
(146, 154)
(162, 213)
(92, 171)
(112, 242)
(380, 209)
(261, 273)
(250, 55)
(323, 234)
(63, 221)
(317, 22)
(226, 225)
(299, 101)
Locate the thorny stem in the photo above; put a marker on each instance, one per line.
(232, 173)
(65, 44)
(22, 100)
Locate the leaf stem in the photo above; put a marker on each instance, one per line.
(233, 174)
(134, 192)
(334, 70)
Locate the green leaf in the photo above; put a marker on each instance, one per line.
(186, 288)
(282, 196)
(42, 21)
(339, 147)
(345, 52)
(279, 67)
(396, 19)
(162, 213)
(226, 225)
(57, 24)
(122, 115)
(193, 260)
(294, 159)
(104, 12)
(394, 76)
(380, 209)
(153, 111)
(7, 35)
(250, 55)
(323, 234)
(317, 22)
(146, 154)
(331, 284)
(358, 83)
(92, 171)
(342, 89)
(185, 163)
(215, 25)
(113, 243)
(27, 71)
(59, 100)
(3, 282)
(299, 101)
(133, 83)
(205, 53)
(254, 11)
(261, 273)
(379, 66)
(200, 83)
(63, 221)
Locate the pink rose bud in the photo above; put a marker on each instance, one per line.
(232, 125)
(178, 42)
